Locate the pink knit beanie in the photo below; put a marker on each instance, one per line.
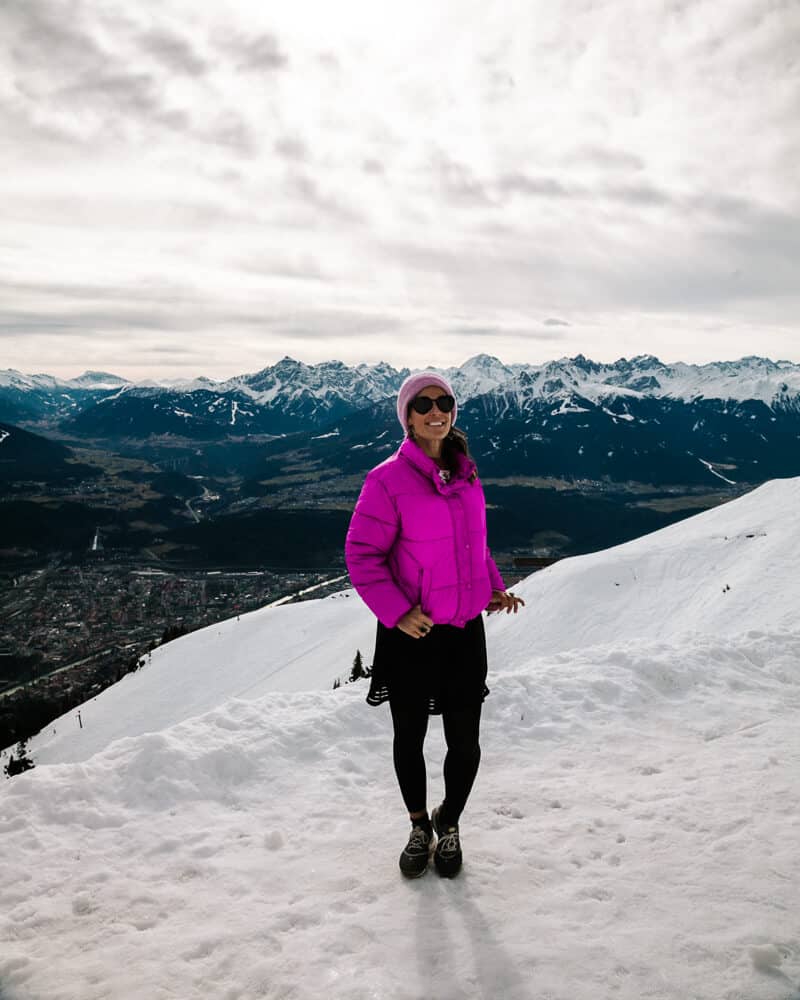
(410, 388)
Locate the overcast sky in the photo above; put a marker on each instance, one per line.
(190, 187)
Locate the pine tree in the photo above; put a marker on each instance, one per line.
(358, 669)
(337, 683)
(22, 761)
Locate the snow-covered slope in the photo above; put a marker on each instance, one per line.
(293, 647)
(721, 572)
(618, 843)
(229, 826)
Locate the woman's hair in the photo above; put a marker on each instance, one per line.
(454, 442)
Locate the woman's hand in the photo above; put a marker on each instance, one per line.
(502, 599)
(415, 623)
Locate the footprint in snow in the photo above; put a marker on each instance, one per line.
(82, 905)
(596, 892)
(511, 811)
(273, 841)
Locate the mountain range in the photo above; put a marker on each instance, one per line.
(326, 390)
(636, 420)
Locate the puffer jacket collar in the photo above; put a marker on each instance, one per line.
(411, 452)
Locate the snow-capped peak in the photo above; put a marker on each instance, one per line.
(98, 380)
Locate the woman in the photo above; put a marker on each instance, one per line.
(416, 553)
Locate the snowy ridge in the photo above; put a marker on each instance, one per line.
(19, 380)
(97, 380)
(748, 378)
(10, 377)
(721, 572)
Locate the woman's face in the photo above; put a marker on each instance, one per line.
(433, 425)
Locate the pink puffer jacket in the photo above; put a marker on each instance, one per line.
(414, 539)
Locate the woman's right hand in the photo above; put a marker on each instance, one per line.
(415, 623)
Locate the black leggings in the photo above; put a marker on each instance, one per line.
(461, 733)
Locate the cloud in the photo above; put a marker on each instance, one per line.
(458, 182)
(185, 354)
(175, 52)
(81, 322)
(88, 93)
(304, 266)
(37, 29)
(152, 288)
(134, 94)
(495, 332)
(636, 193)
(629, 169)
(231, 130)
(306, 190)
(254, 53)
(79, 311)
(318, 324)
(41, 141)
(500, 85)
(291, 148)
(330, 61)
(605, 158)
(546, 187)
(114, 84)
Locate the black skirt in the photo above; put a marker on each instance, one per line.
(444, 669)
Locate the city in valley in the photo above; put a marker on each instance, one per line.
(74, 627)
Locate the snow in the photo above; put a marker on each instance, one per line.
(714, 472)
(477, 376)
(766, 957)
(226, 825)
(10, 377)
(616, 416)
(290, 647)
(568, 407)
(96, 380)
(750, 378)
(117, 395)
(596, 391)
(746, 379)
(4, 435)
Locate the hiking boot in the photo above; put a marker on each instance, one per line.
(417, 852)
(447, 856)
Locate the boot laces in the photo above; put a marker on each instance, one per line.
(448, 842)
(418, 839)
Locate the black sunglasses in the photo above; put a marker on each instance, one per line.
(424, 404)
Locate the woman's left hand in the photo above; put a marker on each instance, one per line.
(502, 599)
